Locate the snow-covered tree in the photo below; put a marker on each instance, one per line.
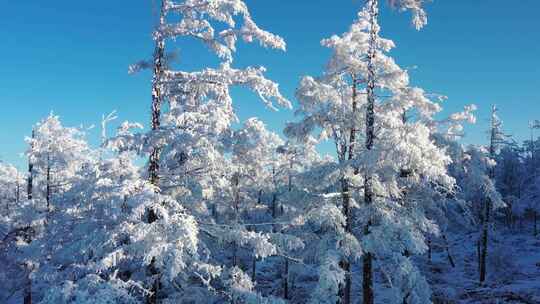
(11, 187)
(189, 144)
(529, 200)
(56, 153)
(398, 150)
(511, 177)
(209, 87)
(492, 201)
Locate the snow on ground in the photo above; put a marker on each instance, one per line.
(513, 270)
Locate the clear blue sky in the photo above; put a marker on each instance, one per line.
(72, 57)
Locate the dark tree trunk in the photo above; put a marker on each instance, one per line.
(28, 293)
(236, 205)
(286, 280)
(345, 289)
(487, 202)
(254, 269)
(157, 99)
(234, 254)
(429, 249)
(153, 162)
(30, 171)
(286, 295)
(367, 259)
(152, 298)
(18, 191)
(367, 284)
(48, 186)
(484, 242)
(28, 287)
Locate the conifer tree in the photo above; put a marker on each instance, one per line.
(496, 138)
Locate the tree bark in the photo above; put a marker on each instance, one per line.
(48, 186)
(286, 260)
(274, 206)
(30, 171)
(367, 259)
(286, 280)
(28, 293)
(157, 98)
(153, 163)
(487, 202)
(345, 289)
(429, 249)
(236, 205)
(484, 242)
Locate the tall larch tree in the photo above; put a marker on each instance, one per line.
(496, 138)
(157, 95)
(338, 105)
(419, 20)
(189, 144)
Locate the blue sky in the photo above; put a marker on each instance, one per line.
(72, 57)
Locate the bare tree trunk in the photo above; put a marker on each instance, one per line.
(487, 203)
(429, 249)
(254, 262)
(30, 171)
(234, 254)
(484, 242)
(254, 269)
(286, 260)
(157, 98)
(345, 290)
(367, 283)
(286, 280)
(153, 163)
(18, 191)
(367, 258)
(48, 186)
(27, 297)
(28, 291)
(274, 206)
(236, 205)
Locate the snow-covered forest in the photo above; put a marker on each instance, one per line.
(197, 206)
